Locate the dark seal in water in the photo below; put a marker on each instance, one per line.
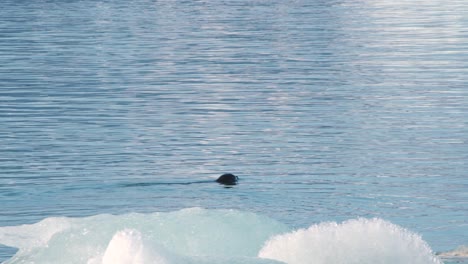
(228, 179)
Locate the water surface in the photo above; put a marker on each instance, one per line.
(326, 110)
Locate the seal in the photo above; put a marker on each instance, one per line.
(228, 179)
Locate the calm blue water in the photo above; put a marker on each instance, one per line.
(326, 110)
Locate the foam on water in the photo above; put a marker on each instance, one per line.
(211, 236)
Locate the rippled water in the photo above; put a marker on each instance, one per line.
(326, 110)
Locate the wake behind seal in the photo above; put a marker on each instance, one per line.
(228, 179)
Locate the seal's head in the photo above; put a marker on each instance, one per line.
(228, 179)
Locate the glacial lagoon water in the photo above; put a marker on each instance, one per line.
(346, 122)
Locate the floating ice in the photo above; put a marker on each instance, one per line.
(188, 236)
(201, 236)
(460, 252)
(359, 241)
(127, 247)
